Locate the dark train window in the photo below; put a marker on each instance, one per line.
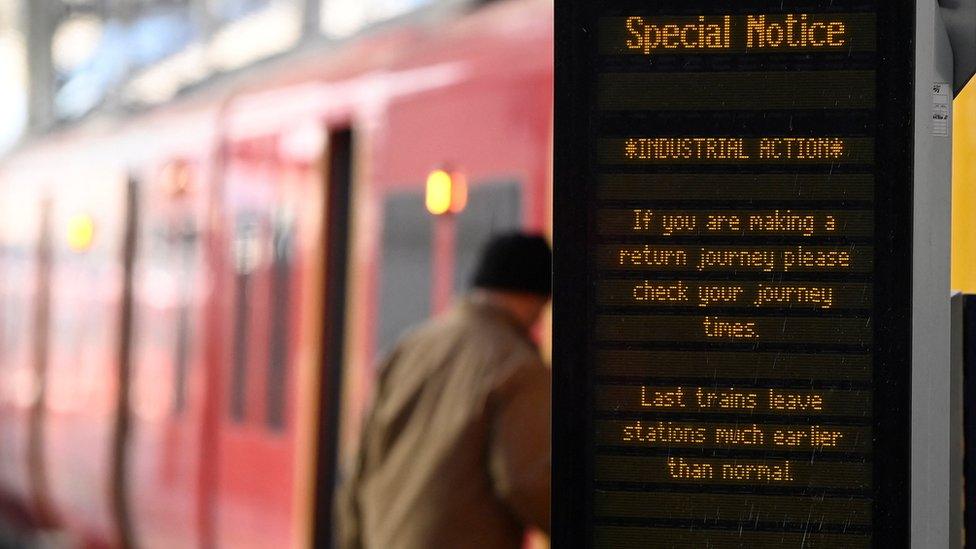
(406, 267)
(492, 209)
(246, 255)
(185, 238)
(281, 273)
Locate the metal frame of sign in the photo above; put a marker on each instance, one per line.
(574, 243)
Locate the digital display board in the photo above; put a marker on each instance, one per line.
(732, 211)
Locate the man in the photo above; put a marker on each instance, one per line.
(455, 452)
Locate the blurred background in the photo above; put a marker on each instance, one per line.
(62, 59)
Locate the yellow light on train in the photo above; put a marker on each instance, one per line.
(438, 192)
(447, 192)
(81, 232)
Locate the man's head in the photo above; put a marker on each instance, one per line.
(515, 272)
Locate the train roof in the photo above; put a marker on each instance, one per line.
(499, 39)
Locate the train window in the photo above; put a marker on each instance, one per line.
(246, 250)
(186, 241)
(281, 273)
(492, 208)
(406, 267)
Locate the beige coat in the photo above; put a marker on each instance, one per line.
(455, 452)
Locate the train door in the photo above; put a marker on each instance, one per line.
(20, 251)
(169, 288)
(85, 338)
(339, 173)
(253, 448)
(495, 133)
(269, 297)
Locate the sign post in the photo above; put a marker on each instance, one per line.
(751, 340)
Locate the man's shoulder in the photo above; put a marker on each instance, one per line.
(473, 332)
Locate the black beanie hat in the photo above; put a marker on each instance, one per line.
(517, 262)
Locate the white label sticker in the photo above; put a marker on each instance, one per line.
(940, 108)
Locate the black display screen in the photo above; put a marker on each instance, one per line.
(732, 299)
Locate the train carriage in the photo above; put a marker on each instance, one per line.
(195, 298)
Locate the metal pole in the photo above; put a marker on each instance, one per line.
(310, 20)
(203, 20)
(40, 21)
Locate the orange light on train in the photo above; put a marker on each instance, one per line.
(459, 192)
(177, 177)
(447, 192)
(81, 232)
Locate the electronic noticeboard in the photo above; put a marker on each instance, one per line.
(732, 308)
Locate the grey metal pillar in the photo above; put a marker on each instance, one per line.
(936, 471)
(202, 18)
(40, 21)
(311, 16)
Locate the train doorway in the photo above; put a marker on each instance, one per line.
(338, 180)
(40, 358)
(123, 420)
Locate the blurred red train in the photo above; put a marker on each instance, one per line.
(192, 300)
